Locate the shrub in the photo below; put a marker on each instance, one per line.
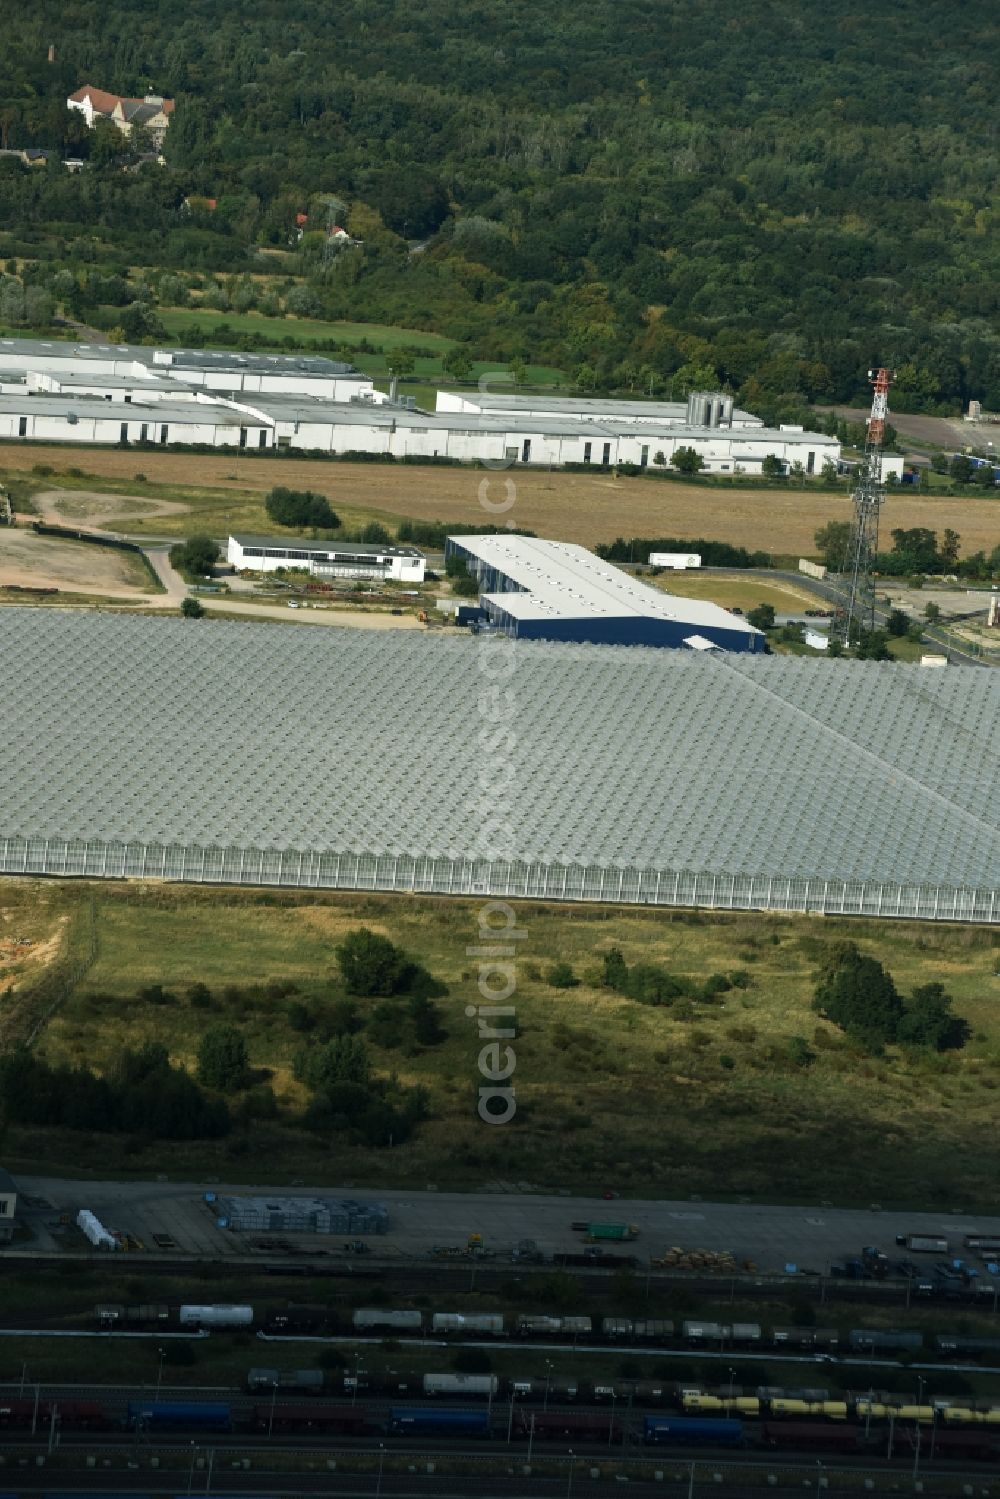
(200, 997)
(195, 557)
(369, 963)
(222, 1058)
(800, 1052)
(561, 976)
(300, 507)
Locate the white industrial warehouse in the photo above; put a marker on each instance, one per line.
(60, 392)
(245, 753)
(327, 559)
(551, 590)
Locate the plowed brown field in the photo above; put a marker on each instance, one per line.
(585, 508)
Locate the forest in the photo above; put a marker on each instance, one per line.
(650, 195)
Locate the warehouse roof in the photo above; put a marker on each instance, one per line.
(296, 408)
(119, 728)
(104, 380)
(324, 548)
(562, 581)
(671, 413)
(52, 405)
(200, 359)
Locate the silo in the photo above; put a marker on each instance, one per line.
(697, 409)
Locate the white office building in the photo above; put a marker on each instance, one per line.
(327, 559)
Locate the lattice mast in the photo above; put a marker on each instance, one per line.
(859, 564)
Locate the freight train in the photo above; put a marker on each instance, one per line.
(693, 1333)
(856, 1424)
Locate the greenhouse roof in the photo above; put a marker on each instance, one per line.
(250, 734)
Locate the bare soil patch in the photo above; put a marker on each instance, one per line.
(585, 508)
(32, 561)
(945, 431)
(92, 511)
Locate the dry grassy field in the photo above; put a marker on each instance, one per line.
(696, 1097)
(736, 593)
(585, 508)
(32, 561)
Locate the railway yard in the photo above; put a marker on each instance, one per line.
(432, 1356)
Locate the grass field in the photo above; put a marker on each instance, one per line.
(735, 593)
(311, 330)
(152, 509)
(383, 339)
(585, 508)
(609, 1091)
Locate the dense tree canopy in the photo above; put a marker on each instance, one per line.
(648, 192)
(856, 993)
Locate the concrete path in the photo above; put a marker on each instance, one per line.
(772, 1237)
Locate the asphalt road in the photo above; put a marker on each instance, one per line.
(772, 1237)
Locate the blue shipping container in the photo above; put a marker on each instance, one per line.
(702, 1431)
(188, 1414)
(416, 1420)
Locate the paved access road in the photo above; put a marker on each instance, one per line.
(771, 1237)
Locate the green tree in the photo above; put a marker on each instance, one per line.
(856, 993)
(344, 1059)
(302, 301)
(800, 1052)
(222, 1059)
(195, 557)
(300, 507)
(873, 645)
(949, 548)
(561, 976)
(832, 541)
(615, 974)
(929, 1020)
(370, 965)
(192, 609)
(457, 364)
(762, 617)
(402, 363)
(140, 324)
(772, 467)
(898, 623)
(932, 612)
(687, 461)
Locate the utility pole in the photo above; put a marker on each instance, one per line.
(858, 613)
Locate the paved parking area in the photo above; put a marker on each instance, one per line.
(771, 1237)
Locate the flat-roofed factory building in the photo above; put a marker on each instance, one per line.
(327, 559)
(551, 590)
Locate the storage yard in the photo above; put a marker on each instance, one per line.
(868, 790)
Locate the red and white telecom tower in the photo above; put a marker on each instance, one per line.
(859, 564)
